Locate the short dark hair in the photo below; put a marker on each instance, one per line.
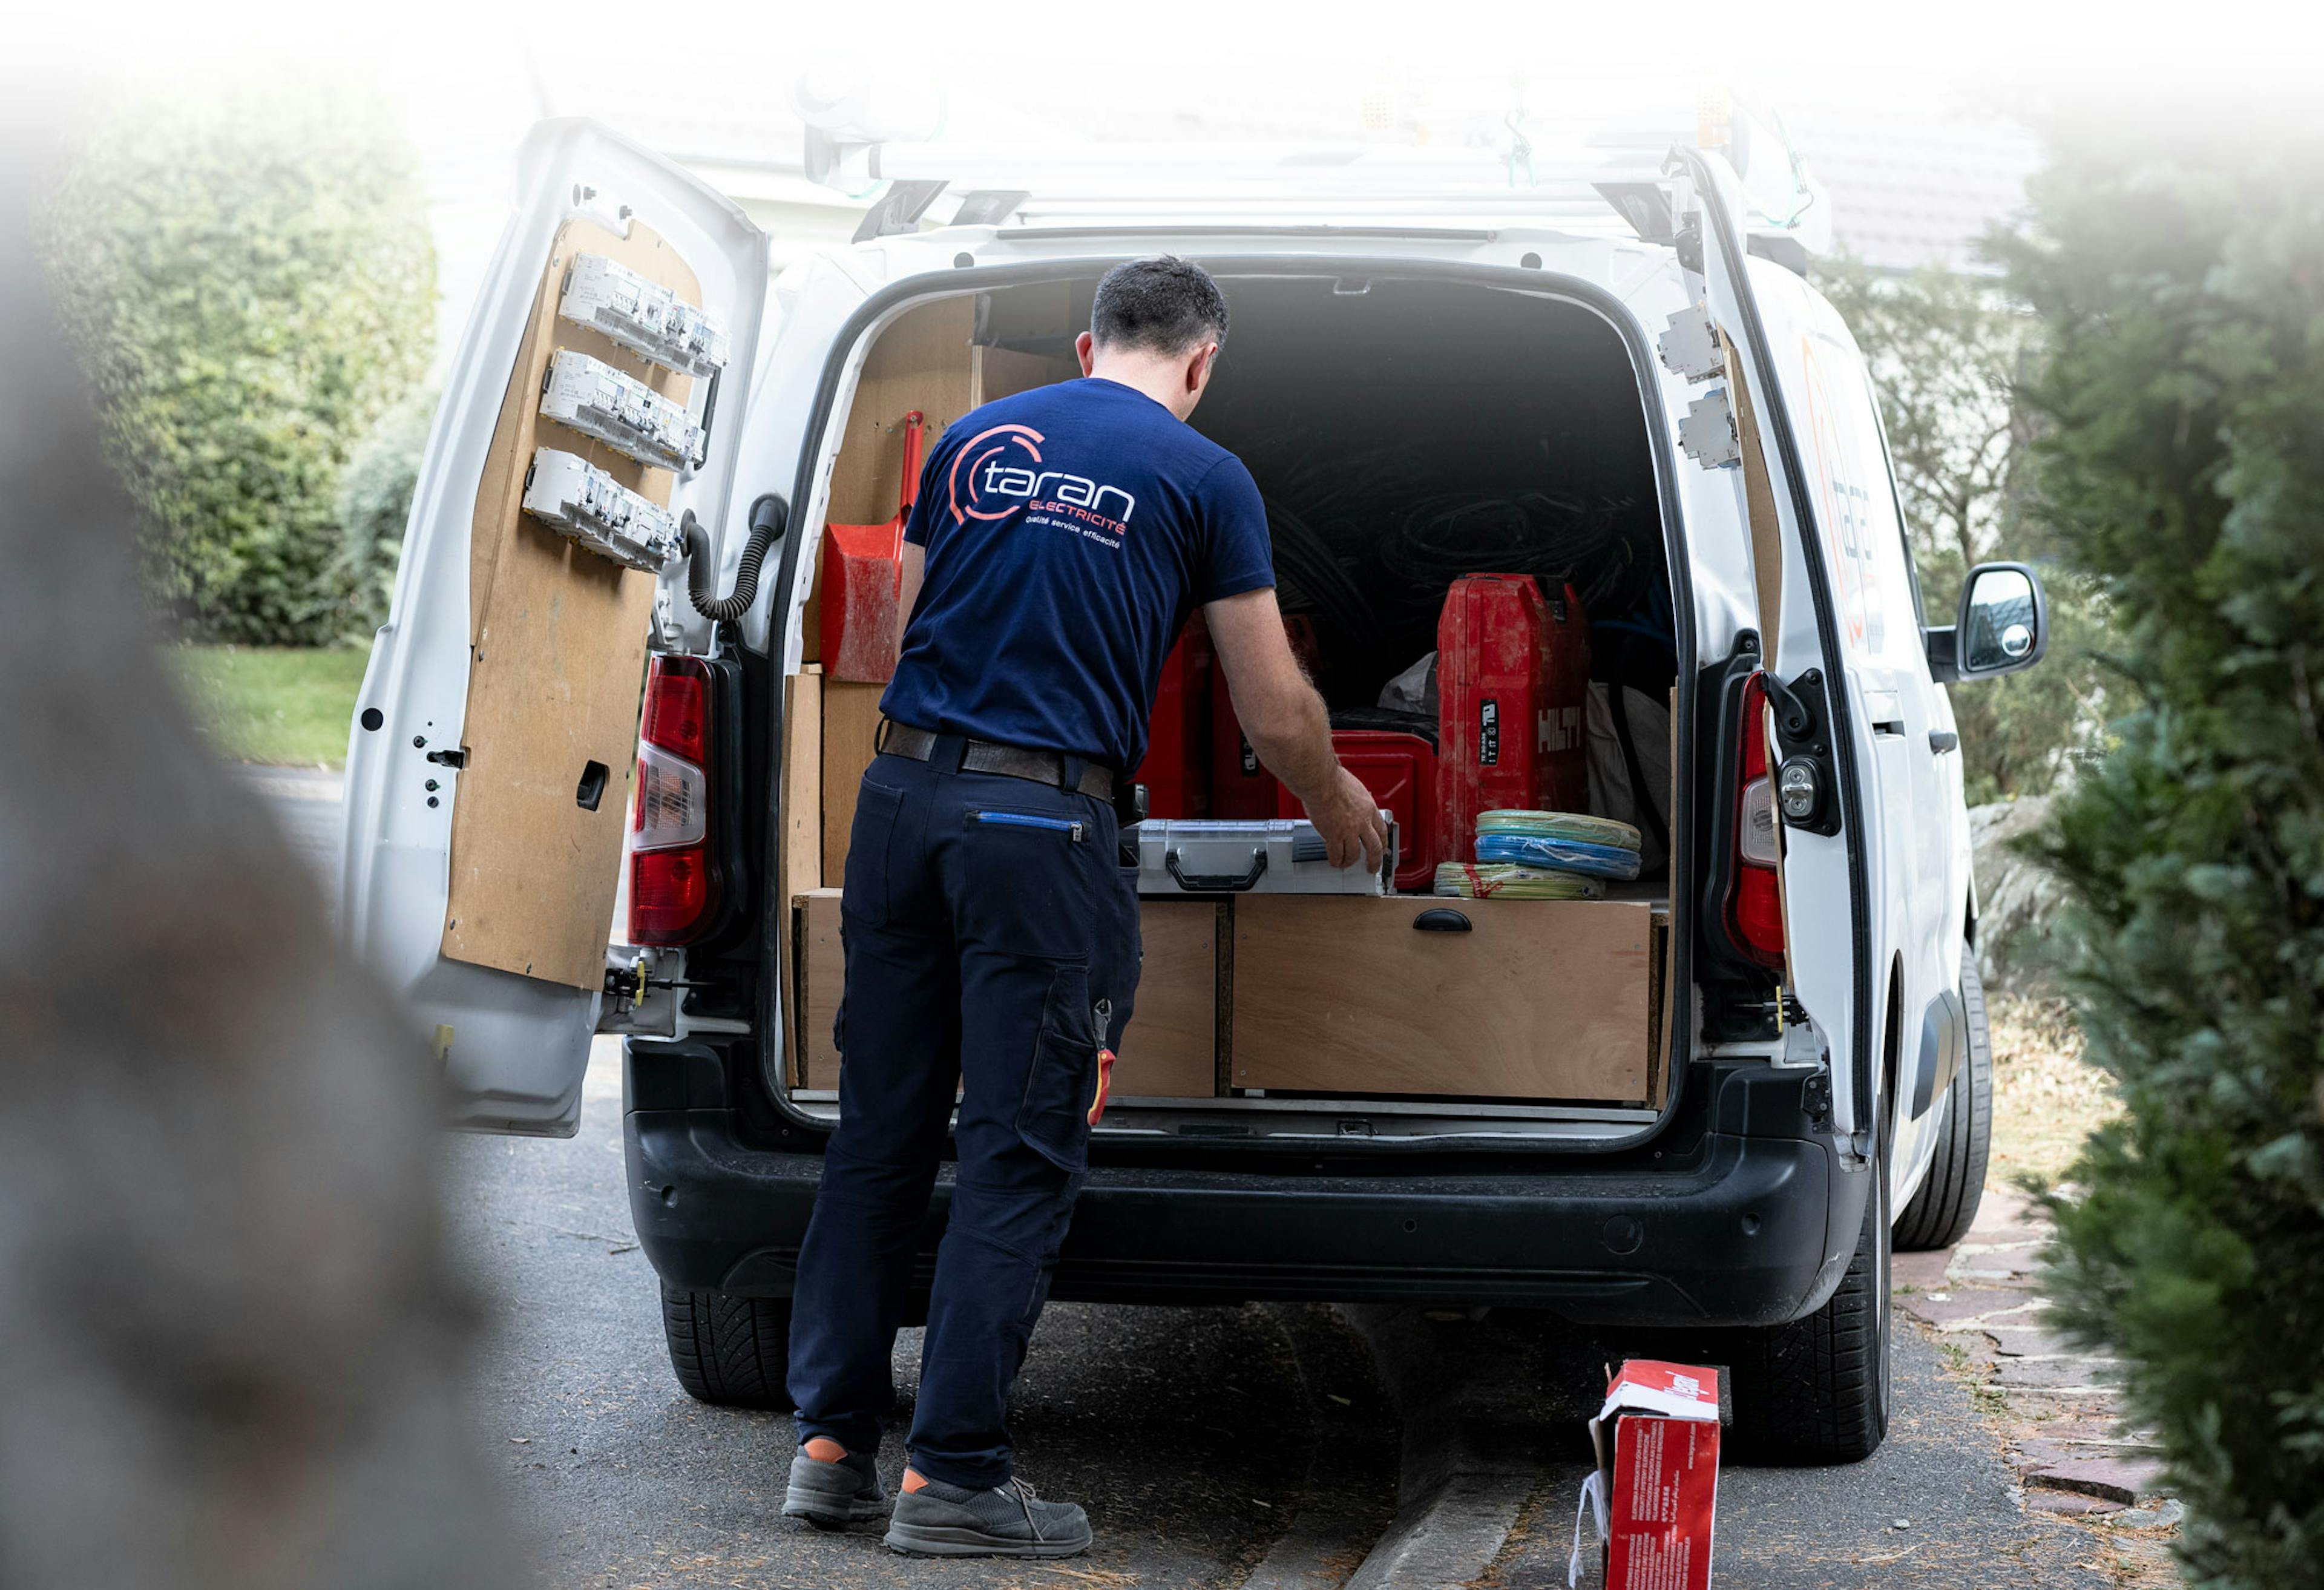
(1164, 304)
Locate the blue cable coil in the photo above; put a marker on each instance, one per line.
(1567, 856)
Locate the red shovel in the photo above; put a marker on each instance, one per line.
(863, 582)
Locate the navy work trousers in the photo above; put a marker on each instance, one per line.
(992, 946)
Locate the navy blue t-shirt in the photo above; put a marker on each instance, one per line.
(1069, 531)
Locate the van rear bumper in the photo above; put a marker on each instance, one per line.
(1756, 1231)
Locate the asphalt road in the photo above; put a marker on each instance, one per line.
(1196, 1437)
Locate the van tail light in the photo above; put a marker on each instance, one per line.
(672, 891)
(1755, 910)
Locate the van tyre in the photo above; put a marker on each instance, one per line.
(729, 1352)
(1816, 1389)
(1943, 1211)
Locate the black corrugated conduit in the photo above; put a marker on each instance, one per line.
(769, 515)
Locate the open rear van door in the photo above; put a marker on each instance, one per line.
(1813, 555)
(597, 396)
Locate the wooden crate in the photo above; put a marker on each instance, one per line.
(1171, 1048)
(851, 722)
(818, 978)
(1539, 1000)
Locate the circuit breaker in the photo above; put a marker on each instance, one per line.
(589, 506)
(596, 400)
(642, 316)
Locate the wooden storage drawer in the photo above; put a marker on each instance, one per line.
(1539, 1000)
(1171, 1049)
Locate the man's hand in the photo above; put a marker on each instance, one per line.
(1350, 821)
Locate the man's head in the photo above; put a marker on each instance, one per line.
(1156, 325)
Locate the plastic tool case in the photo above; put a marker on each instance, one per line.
(1248, 855)
(1400, 771)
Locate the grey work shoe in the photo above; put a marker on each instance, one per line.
(946, 1521)
(834, 1495)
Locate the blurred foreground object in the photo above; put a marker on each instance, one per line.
(231, 1351)
(2174, 262)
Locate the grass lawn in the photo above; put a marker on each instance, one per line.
(286, 705)
(2046, 1097)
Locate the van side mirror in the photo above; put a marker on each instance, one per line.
(2003, 626)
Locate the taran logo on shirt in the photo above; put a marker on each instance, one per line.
(999, 471)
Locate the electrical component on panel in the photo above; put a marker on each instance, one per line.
(642, 316)
(598, 400)
(1707, 434)
(1691, 348)
(588, 505)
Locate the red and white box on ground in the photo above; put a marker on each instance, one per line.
(1655, 1491)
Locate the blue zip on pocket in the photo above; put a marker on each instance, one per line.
(1026, 819)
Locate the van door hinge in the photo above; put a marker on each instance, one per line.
(1691, 348)
(1707, 433)
(1807, 790)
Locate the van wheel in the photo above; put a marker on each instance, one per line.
(1945, 1207)
(1816, 1391)
(729, 1352)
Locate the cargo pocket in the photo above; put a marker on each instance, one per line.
(864, 895)
(1060, 1088)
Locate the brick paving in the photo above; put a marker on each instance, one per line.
(2076, 1451)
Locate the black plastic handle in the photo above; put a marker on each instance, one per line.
(1216, 883)
(1442, 919)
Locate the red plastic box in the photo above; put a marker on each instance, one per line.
(862, 616)
(1239, 786)
(1513, 693)
(1655, 1494)
(1176, 772)
(1400, 771)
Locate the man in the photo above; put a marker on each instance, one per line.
(1060, 539)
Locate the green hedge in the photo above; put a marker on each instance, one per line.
(251, 285)
(2178, 270)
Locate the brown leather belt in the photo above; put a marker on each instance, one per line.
(983, 756)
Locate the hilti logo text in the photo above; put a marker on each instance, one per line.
(1557, 728)
(996, 472)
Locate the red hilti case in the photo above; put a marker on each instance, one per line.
(1176, 772)
(1400, 771)
(1240, 787)
(1513, 689)
(1655, 1494)
(863, 582)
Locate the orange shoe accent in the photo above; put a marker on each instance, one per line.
(914, 1480)
(824, 1449)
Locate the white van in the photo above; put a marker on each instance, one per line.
(1706, 1103)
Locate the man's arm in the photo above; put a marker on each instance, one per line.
(1286, 722)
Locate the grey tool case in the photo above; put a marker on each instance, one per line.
(1249, 855)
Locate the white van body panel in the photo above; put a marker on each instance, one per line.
(1820, 924)
(1918, 891)
(513, 1047)
(815, 298)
